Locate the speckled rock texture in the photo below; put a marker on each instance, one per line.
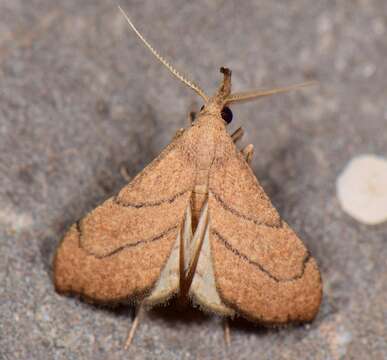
(82, 99)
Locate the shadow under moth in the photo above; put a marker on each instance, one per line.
(196, 224)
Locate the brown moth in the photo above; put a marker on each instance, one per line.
(196, 224)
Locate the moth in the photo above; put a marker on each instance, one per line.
(195, 224)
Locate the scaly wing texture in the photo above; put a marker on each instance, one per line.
(128, 246)
(262, 269)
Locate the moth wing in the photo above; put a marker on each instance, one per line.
(203, 290)
(262, 269)
(128, 247)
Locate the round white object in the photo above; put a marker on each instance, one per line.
(362, 189)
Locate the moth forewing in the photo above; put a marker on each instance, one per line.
(253, 248)
(119, 251)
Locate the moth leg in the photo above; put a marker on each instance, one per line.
(248, 152)
(237, 134)
(226, 332)
(137, 317)
(178, 133)
(124, 173)
(192, 117)
(192, 114)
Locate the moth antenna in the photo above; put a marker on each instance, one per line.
(182, 78)
(255, 94)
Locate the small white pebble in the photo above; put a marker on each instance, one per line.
(362, 189)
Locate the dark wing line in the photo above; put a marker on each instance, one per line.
(228, 246)
(122, 247)
(239, 214)
(150, 203)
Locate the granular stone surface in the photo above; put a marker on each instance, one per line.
(82, 102)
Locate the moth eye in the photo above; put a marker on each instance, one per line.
(226, 114)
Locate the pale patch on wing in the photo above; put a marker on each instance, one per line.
(168, 283)
(203, 289)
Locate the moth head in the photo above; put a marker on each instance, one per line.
(225, 113)
(217, 104)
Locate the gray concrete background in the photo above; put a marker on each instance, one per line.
(80, 97)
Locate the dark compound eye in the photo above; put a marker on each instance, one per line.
(226, 114)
